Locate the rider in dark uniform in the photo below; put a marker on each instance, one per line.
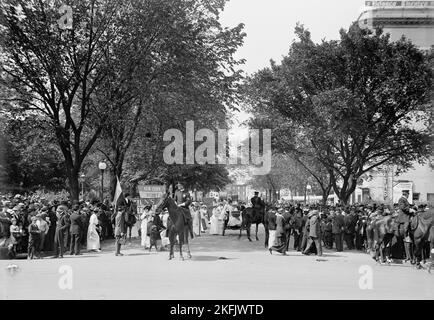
(404, 214)
(404, 211)
(258, 204)
(183, 200)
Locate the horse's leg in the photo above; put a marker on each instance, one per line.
(241, 230)
(188, 246)
(181, 257)
(248, 231)
(257, 239)
(267, 234)
(389, 249)
(172, 244)
(417, 252)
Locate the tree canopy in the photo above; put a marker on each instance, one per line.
(351, 105)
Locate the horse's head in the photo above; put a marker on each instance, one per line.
(162, 203)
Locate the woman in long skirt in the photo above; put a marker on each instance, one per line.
(279, 243)
(93, 241)
(271, 217)
(145, 218)
(196, 220)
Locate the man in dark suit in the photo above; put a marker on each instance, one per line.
(75, 229)
(288, 221)
(120, 228)
(350, 222)
(298, 228)
(257, 204)
(337, 228)
(61, 226)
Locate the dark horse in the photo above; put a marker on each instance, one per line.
(178, 225)
(257, 217)
(422, 231)
(380, 232)
(130, 218)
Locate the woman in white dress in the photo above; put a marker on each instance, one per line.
(164, 239)
(145, 218)
(93, 241)
(214, 227)
(204, 218)
(194, 209)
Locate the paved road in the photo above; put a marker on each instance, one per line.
(247, 272)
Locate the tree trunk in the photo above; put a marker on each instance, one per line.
(349, 185)
(73, 184)
(325, 194)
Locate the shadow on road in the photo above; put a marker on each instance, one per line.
(210, 258)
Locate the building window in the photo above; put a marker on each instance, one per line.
(416, 196)
(430, 197)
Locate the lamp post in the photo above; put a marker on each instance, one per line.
(308, 188)
(82, 185)
(102, 166)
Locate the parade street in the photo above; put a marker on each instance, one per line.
(221, 268)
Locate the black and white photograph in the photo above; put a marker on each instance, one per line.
(217, 154)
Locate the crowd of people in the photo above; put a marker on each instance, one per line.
(333, 227)
(33, 225)
(36, 226)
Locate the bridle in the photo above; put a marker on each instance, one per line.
(162, 204)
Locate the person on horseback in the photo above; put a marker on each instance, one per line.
(404, 213)
(258, 204)
(183, 200)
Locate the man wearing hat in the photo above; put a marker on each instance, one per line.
(257, 204)
(314, 235)
(61, 226)
(404, 212)
(43, 224)
(120, 228)
(76, 230)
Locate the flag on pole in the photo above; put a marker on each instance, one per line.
(119, 195)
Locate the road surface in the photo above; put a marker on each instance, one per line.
(221, 268)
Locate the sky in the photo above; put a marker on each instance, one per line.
(270, 24)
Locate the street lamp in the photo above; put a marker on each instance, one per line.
(82, 185)
(309, 189)
(102, 166)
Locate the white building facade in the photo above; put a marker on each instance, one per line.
(415, 21)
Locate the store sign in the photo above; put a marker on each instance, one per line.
(382, 4)
(151, 191)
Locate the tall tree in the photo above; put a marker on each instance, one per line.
(354, 104)
(54, 63)
(181, 67)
